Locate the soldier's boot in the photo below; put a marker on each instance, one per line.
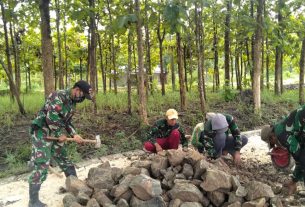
(34, 196)
(70, 171)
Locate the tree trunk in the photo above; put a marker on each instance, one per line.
(60, 62)
(181, 73)
(46, 48)
(102, 64)
(142, 95)
(148, 58)
(199, 47)
(278, 52)
(92, 48)
(173, 70)
(227, 43)
(129, 70)
(302, 66)
(215, 49)
(257, 64)
(65, 44)
(161, 38)
(185, 66)
(267, 62)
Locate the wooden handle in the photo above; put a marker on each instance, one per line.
(72, 139)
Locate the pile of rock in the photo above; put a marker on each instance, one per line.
(174, 179)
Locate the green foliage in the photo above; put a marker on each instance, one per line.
(73, 153)
(228, 93)
(102, 151)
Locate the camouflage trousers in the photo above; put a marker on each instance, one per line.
(42, 151)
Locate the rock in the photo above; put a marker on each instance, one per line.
(180, 176)
(100, 178)
(127, 195)
(75, 186)
(131, 170)
(142, 164)
(216, 179)
(235, 183)
(169, 175)
(241, 191)
(191, 204)
(255, 203)
(196, 182)
(75, 204)
(154, 202)
(177, 169)
(236, 204)
(145, 188)
(276, 202)
(188, 171)
(69, 199)
(175, 203)
(122, 187)
(186, 192)
(92, 203)
(192, 157)
(277, 188)
(82, 198)
(175, 157)
(117, 174)
(101, 198)
(144, 171)
(200, 168)
(122, 203)
(158, 164)
(258, 190)
(216, 197)
(233, 198)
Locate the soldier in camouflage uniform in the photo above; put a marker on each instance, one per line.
(165, 134)
(55, 115)
(215, 139)
(289, 133)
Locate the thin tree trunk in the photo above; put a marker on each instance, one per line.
(129, 70)
(102, 64)
(16, 57)
(227, 43)
(302, 66)
(161, 38)
(185, 66)
(46, 47)
(65, 45)
(215, 48)
(278, 53)
(181, 72)
(267, 62)
(92, 49)
(147, 57)
(257, 64)
(199, 47)
(173, 70)
(142, 95)
(60, 62)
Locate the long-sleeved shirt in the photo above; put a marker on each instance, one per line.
(56, 113)
(162, 130)
(290, 132)
(207, 135)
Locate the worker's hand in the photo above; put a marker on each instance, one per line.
(237, 158)
(62, 138)
(78, 139)
(158, 148)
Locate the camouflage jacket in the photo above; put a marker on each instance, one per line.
(162, 130)
(207, 135)
(57, 113)
(290, 131)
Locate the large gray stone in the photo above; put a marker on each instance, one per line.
(188, 171)
(192, 157)
(191, 204)
(241, 191)
(186, 192)
(122, 203)
(258, 190)
(75, 186)
(142, 164)
(122, 187)
(175, 203)
(200, 168)
(100, 178)
(276, 202)
(158, 163)
(216, 179)
(69, 199)
(255, 203)
(131, 170)
(233, 198)
(175, 157)
(101, 198)
(145, 187)
(92, 203)
(236, 204)
(154, 202)
(216, 197)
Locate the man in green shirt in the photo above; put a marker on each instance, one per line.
(214, 137)
(55, 115)
(289, 133)
(165, 134)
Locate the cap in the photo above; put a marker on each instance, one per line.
(171, 114)
(266, 133)
(219, 123)
(85, 88)
(210, 115)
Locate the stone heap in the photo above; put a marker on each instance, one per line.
(174, 178)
